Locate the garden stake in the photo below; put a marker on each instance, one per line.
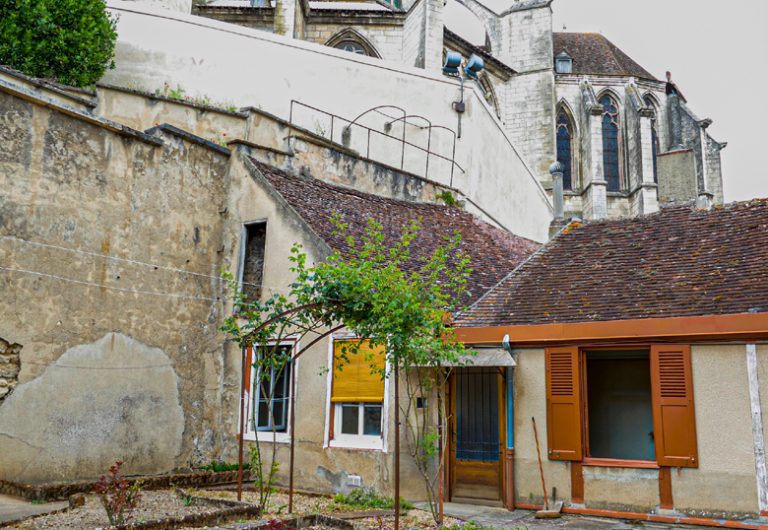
(242, 426)
(397, 449)
(547, 512)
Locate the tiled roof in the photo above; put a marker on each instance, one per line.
(675, 263)
(593, 54)
(493, 252)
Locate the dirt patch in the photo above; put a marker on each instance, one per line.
(154, 505)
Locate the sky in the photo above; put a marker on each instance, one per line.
(716, 51)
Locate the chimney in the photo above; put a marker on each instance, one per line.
(558, 221)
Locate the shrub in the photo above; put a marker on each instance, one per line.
(224, 466)
(368, 498)
(71, 41)
(117, 496)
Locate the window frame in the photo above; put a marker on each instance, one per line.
(251, 433)
(359, 440)
(333, 418)
(589, 460)
(244, 250)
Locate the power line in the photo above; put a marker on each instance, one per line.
(125, 260)
(121, 289)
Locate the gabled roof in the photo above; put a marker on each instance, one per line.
(493, 251)
(676, 263)
(593, 54)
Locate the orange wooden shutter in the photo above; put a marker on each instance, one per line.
(674, 420)
(564, 416)
(353, 381)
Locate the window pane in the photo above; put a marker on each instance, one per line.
(349, 419)
(263, 415)
(619, 402)
(372, 420)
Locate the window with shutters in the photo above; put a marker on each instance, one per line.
(357, 395)
(631, 407)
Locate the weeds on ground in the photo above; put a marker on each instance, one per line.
(368, 498)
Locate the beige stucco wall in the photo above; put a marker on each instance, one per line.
(725, 479)
(531, 402)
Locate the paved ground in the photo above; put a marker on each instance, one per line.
(14, 508)
(523, 519)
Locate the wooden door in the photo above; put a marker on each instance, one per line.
(477, 432)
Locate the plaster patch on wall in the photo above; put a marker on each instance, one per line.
(114, 399)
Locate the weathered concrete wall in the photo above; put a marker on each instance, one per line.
(82, 196)
(114, 399)
(337, 81)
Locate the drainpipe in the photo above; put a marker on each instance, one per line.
(558, 221)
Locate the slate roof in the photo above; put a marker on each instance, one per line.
(493, 252)
(678, 262)
(593, 54)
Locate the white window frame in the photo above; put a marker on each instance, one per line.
(359, 441)
(269, 436)
(349, 441)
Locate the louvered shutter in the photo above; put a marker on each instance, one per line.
(564, 416)
(353, 379)
(674, 420)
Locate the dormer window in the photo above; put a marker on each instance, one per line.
(563, 63)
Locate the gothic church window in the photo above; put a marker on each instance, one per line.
(352, 41)
(611, 139)
(654, 136)
(351, 46)
(565, 147)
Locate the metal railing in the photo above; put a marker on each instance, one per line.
(336, 120)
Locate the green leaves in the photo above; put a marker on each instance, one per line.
(71, 41)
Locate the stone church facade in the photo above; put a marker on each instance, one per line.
(574, 97)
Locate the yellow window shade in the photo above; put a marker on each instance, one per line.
(353, 381)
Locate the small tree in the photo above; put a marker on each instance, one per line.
(72, 41)
(384, 294)
(117, 495)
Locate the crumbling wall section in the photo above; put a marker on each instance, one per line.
(10, 364)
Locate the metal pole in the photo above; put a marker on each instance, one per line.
(440, 463)
(397, 449)
(293, 433)
(242, 426)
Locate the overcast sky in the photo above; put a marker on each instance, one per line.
(716, 52)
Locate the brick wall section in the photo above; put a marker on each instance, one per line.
(10, 363)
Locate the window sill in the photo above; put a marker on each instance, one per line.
(360, 445)
(278, 437)
(616, 462)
